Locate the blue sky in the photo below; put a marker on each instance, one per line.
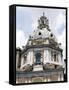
(26, 23)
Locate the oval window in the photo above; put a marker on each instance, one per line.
(39, 33)
(51, 35)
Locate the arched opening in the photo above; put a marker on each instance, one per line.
(38, 58)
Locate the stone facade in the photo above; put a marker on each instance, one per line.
(41, 59)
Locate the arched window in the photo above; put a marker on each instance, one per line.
(38, 58)
(55, 57)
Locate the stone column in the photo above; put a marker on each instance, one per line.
(61, 77)
(30, 57)
(46, 56)
(62, 61)
(34, 58)
(22, 61)
(49, 55)
(59, 57)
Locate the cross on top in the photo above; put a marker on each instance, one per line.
(43, 14)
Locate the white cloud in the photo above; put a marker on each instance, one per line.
(62, 40)
(21, 40)
(34, 25)
(58, 21)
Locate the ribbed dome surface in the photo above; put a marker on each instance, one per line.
(44, 33)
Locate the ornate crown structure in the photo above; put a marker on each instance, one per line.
(43, 22)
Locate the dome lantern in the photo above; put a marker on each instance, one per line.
(43, 22)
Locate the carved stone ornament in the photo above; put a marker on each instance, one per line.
(43, 22)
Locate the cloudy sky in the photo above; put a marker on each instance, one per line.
(26, 23)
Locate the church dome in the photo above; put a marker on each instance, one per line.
(43, 30)
(42, 34)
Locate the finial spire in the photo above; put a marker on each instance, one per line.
(43, 22)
